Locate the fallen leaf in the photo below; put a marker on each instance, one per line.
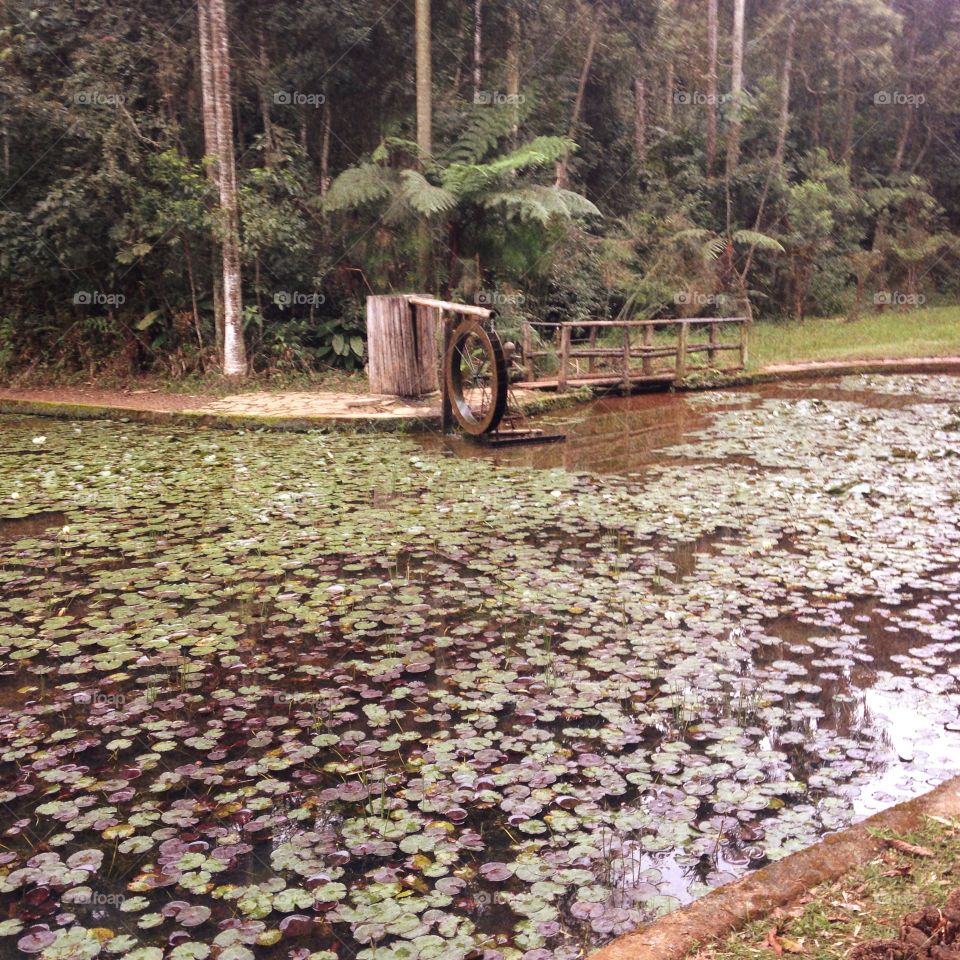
(774, 943)
(910, 848)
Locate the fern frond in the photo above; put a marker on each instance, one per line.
(540, 203)
(465, 179)
(360, 185)
(577, 205)
(423, 196)
(484, 129)
(522, 203)
(713, 248)
(762, 241)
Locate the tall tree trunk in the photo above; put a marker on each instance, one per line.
(477, 48)
(234, 351)
(424, 79)
(563, 165)
(784, 127)
(325, 147)
(782, 130)
(640, 120)
(513, 65)
(736, 88)
(197, 326)
(906, 123)
(262, 83)
(669, 96)
(847, 106)
(424, 127)
(712, 47)
(211, 148)
(5, 132)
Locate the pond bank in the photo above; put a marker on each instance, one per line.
(277, 411)
(342, 411)
(756, 895)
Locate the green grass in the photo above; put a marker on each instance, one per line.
(919, 333)
(865, 904)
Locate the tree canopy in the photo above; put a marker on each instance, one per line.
(588, 157)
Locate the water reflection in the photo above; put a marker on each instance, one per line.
(858, 658)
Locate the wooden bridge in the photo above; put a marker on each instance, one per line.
(409, 334)
(591, 353)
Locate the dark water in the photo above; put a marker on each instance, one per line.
(919, 728)
(700, 634)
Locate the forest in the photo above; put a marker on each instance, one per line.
(195, 182)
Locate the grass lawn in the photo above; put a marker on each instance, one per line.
(920, 333)
(865, 904)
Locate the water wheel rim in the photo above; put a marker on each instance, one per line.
(468, 371)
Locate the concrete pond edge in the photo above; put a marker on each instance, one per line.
(819, 369)
(225, 421)
(726, 909)
(546, 403)
(259, 421)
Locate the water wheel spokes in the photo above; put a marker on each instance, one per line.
(476, 375)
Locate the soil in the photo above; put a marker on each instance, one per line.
(927, 934)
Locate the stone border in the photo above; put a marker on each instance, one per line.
(381, 423)
(209, 419)
(730, 907)
(225, 421)
(815, 370)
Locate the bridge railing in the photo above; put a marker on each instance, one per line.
(643, 352)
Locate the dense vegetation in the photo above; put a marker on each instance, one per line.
(587, 159)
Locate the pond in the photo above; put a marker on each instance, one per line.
(313, 696)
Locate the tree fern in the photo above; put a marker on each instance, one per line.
(540, 203)
(465, 179)
(762, 241)
(390, 145)
(485, 128)
(423, 196)
(360, 185)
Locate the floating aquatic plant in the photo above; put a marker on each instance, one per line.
(321, 697)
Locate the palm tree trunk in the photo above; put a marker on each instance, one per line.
(906, 124)
(513, 66)
(5, 133)
(325, 147)
(211, 147)
(712, 46)
(424, 79)
(477, 48)
(669, 96)
(234, 358)
(424, 127)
